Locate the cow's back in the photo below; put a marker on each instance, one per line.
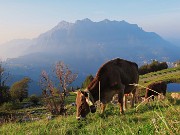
(128, 71)
(118, 71)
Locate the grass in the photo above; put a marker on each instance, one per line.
(167, 75)
(153, 118)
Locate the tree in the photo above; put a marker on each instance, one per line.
(4, 94)
(4, 90)
(50, 95)
(4, 76)
(19, 90)
(163, 65)
(87, 81)
(34, 99)
(64, 76)
(54, 95)
(144, 69)
(152, 67)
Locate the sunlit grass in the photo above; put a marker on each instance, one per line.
(159, 117)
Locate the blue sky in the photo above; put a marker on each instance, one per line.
(29, 18)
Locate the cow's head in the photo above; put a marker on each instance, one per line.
(84, 104)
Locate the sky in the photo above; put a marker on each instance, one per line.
(21, 19)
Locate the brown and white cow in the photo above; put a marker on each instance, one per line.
(159, 89)
(114, 77)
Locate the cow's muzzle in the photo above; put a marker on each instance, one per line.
(92, 108)
(80, 117)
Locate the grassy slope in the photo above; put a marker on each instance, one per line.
(153, 118)
(166, 75)
(160, 117)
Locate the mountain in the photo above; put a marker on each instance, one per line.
(175, 41)
(85, 45)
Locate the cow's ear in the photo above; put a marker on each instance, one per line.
(84, 93)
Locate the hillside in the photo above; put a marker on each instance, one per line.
(159, 117)
(170, 75)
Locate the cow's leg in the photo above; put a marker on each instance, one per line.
(148, 99)
(120, 99)
(125, 102)
(136, 96)
(103, 106)
(133, 96)
(132, 92)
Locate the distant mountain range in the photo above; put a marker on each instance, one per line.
(84, 46)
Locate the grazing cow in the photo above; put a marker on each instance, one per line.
(114, 77)
(157, 87)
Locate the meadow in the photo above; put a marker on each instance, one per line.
(160, 117)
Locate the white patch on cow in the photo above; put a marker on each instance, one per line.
(89, 102)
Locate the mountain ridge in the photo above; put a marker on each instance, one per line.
(85, 45)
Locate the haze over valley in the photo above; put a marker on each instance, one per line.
(85, 45)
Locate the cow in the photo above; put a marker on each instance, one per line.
(112, 78)
(156, 89)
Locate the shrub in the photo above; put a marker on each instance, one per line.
(87, 81)
(34, 99)
(154, 66)
(19, 90)
(4, 94)
(8, 106)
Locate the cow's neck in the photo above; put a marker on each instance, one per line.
(95, 93)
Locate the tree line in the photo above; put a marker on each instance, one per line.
(18, 91)
(152, 67)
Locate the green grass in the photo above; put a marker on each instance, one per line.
(159, 117)
(70, 98)
(166, 75)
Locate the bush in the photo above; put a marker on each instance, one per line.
(4, 94)
(34, 99)
(19, 90)
(87, 81)
(8, 106)
(154, 66)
